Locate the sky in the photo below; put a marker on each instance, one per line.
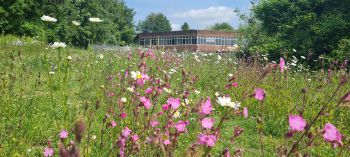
(199, 14)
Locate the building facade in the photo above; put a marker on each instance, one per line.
(192, 40)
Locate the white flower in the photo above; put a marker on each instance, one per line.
(293, 64)
(294, 50)
(302, 57)
(230, 75)
(197, 92)
(167, 90)
(274, 62)
(95, 19)
(265, 58)
(219, 57)
(226, 101)
(217, 94)
(51, 73)
(48, 19)
(76, 23)
(69, 57)
(58, 45)
(123, 99)
(100, 56)
(136, 75)
(130, 89)
(93, 137)
(177, 114)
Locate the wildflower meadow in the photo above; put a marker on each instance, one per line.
(57, 100)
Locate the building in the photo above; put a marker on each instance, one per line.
(192, 40)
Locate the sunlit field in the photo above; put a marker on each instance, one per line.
(143, 102)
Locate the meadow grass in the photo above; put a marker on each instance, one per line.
(41, 94)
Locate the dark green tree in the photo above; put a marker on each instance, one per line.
(185, 27)
(22, 18)
(155, 22)
(221, 27)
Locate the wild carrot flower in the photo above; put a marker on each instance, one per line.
(174, 103)
(296, 123)
(245, 112)
(76, 23)
(259, 94)
(63, 134)
(206, 107)
(331, 134)
(207, 123)
(95, 19)
(48, 19)
(58, 45)
(146, 102)
(282, 64)
(48, 152)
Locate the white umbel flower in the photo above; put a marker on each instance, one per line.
(76, 23)
(58, 45)
(48, 19)
(95, 19)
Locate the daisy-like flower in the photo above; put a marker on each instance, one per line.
(58, 45)
(76, 23)
(69, 57)
(177, 114)
(226, 101)
(197, 92)
(48, 19)
(95, 19)
(136, 75)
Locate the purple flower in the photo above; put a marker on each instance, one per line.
(135, 138)
(154, 123)
(282, 63)
(181, 126)
(149, 90)
(126, 132)
(206, 107)
(146, 102)
(296, 123)
(207, 123)
(113, 123)
(208, 140)
(331, 134)
(48, 152)
(63, 134)
(245, 112)
(259, 94)
(167, 142)
(174, 103)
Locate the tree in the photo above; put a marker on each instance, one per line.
(221, 27)
(312, 27)
(185, 27)
(22, 18)
(155, 22)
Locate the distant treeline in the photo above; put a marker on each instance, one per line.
(22, 18)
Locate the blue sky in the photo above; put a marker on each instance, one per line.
(198, 13)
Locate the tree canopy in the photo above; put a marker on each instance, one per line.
(154, 22)
(221, 27)
(312, 27)
(185, 27)
(22, 17)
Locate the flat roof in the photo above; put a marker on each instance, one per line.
(192, 32)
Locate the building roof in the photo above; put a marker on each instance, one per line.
(192, 32)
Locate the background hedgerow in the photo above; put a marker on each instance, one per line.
(88, 94)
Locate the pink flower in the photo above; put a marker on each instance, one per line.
(296, 123)
(146, 102)
(165, 107)
(208, 123)
(331, 134)
(48, 152)
(154, 123)
(181, 126)
(126, 132)
(259, 94)
(149, 90)
(174, 103)
(135, 138)
(235, 84)
(245, 112)
(140, 82)
(63, 134)
(113, 123)
(167, 142)
(282, 63)
(208, 140)
(150, 53)
(123, 115)
(206, 107)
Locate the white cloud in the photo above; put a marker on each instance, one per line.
(175, 27)
(208, 16)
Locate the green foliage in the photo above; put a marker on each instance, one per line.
(343, 51)
(312, 27)
(222, 27)
(22, 17)
(185, 27)
(154, 22)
